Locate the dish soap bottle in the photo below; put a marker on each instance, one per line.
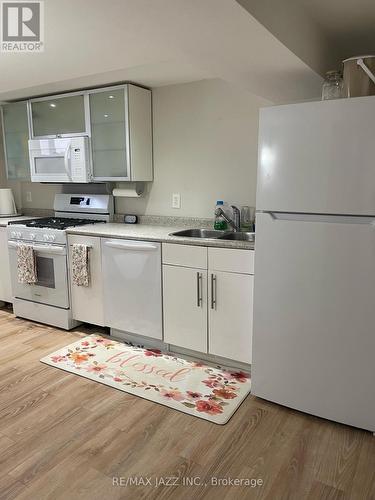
(219, 224)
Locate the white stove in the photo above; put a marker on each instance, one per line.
(48, 300)
(50, 230)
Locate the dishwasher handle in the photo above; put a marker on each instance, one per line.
(138, 247)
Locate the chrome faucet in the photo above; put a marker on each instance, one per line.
(236, 222)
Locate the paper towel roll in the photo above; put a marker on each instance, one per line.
(132, 190)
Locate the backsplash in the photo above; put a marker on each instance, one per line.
(151, 220)
(161, 220)
(37, 212)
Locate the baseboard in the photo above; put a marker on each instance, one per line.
(147, 342)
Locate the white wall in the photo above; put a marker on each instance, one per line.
(42, 195)
(205, 147)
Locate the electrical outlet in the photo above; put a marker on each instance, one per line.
(176, 200)
(29, 198)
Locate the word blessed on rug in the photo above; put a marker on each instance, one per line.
(188, 386)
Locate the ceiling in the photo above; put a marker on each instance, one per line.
(350, 24)
(277, 49)
(156, 42)
(321, 32)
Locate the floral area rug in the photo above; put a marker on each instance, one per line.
(187, 386)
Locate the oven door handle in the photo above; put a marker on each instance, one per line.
(55, 250)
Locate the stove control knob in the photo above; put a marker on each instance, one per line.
(51, 237)
(18, 235)
(32, 236)
(13, 234)
(45, 237)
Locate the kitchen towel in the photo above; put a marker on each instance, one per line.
(26, 264)
(80, 265)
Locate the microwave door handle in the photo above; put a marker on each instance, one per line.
(66, 162)
(33, 157)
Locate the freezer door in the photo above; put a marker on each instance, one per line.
(318, 157)
(314, 316)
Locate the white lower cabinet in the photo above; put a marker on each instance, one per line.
(5, 283)
(209, 309)
(207, 293)
(185, 307)
(230, 315)
(87, 302)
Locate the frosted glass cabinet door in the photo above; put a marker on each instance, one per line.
(107, 113)
(16, 135)
(58, 116)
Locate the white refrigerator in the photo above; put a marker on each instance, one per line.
(314, 288)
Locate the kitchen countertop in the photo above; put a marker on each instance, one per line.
(154, 233)
(4, 220)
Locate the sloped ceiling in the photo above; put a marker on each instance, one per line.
(321, 32)
(158, 42)
(350, 24)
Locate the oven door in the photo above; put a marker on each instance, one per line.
(52, 286)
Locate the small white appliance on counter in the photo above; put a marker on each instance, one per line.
(314, 296)
(7, 204)
(48, 300)
(60, 160)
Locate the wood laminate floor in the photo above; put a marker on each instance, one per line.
(66, 437)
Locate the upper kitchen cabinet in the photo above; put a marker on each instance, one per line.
(15, 136)
(56, 116)
(121, 133)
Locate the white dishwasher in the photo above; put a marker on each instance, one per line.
(132, 286)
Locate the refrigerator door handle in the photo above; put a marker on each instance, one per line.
(326, 218)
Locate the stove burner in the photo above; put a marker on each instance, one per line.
(56, 222)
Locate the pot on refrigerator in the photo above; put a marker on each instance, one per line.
(359, 76)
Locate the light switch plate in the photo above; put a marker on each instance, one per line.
(29, 198)
(176, 200)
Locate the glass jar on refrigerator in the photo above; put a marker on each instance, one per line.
(333, 86)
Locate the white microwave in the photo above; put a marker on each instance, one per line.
(60, 160)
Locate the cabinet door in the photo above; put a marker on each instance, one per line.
(108, 135)
(5, 283)
(16, 136)
(58, 116)
(87, 302)
(140, 133)
(231, 315)
(185, 307)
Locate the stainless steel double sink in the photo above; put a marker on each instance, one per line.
(213, 234)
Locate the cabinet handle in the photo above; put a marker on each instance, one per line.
(199, 289)
(213, 291)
